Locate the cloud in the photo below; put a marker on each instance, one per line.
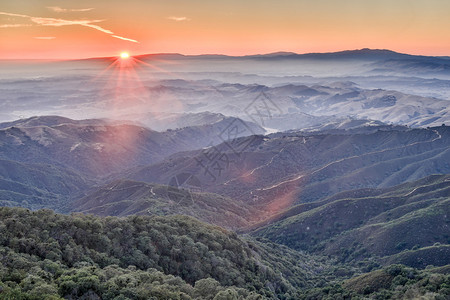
(124, 38)
(44, 37)
(13, 15)
(61, 10)
(63, 22)
(178, 19)
(14, 25)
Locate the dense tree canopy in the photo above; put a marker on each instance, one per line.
(44, 255)
(78, 254)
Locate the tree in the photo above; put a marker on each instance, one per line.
(228, 294)
(206, 288)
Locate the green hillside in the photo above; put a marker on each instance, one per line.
(44, 255)
(138, 257)
(393, 282)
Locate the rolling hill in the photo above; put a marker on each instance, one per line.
(36, 186)
(97, 148)
(406, 224)
(275, 172)
(127, 197)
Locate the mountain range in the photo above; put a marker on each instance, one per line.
(97, 147)
(300, 90)
(276, 171)
(276, 176)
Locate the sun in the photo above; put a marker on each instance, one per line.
(124, 55)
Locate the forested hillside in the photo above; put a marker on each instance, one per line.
(49, 256)
(139, 257)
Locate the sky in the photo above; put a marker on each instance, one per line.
(64, 29)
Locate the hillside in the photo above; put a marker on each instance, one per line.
(278, 171)
(96, 148)
(36, 186)
(404, 224)
(162, 121)
(127, 197)
(49, 256)
(393, 282)
(42, 253)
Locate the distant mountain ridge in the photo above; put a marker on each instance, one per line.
(356, 53)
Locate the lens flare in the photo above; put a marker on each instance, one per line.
(124, 55)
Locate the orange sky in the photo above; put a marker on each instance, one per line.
(76, 29)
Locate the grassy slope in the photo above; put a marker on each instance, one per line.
(38, 185)
(371, 223)
(128, 197)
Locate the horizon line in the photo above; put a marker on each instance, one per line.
(280, 53)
